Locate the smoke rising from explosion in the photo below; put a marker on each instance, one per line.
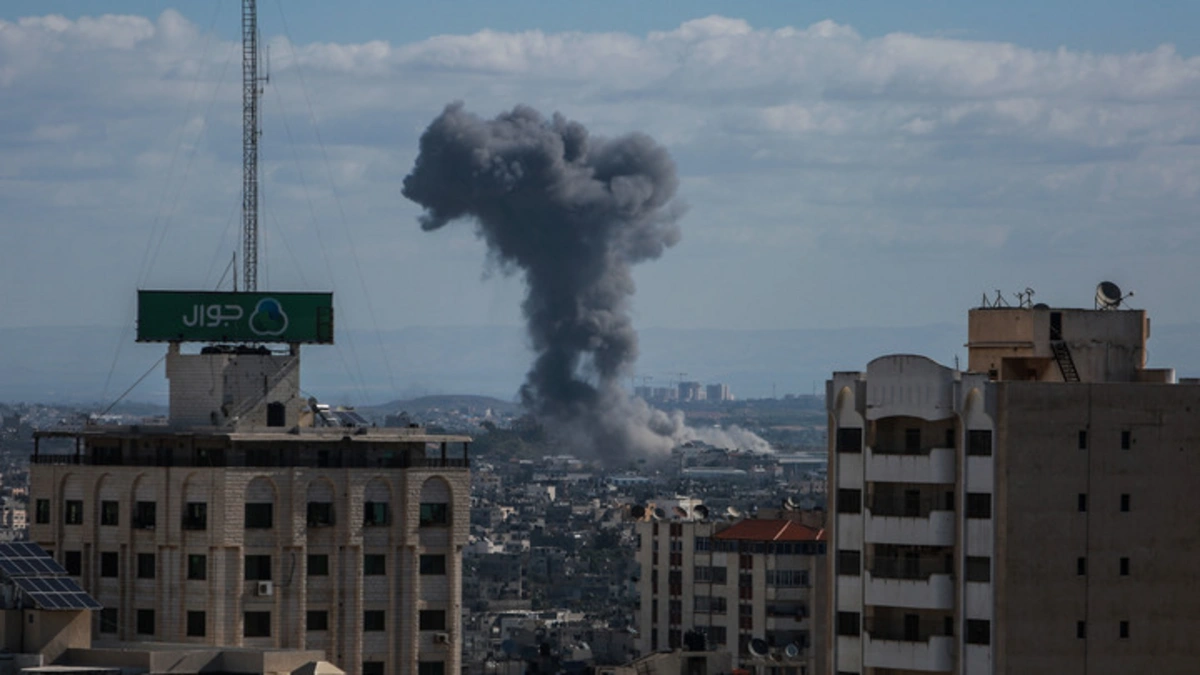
(573, 213)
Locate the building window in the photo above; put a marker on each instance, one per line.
(374, 565)
(108, 620)
(197, 567)
(196, 624)
(256, 624)
(1083, 440)
(73, 512)
(1081, 566)
(979, 632)
(73, 562)
(1081, 629)
(320, 514)
(376, 513)
(372, 668)
(432, 619)
(258, 568)
(259, 516)
(979, 568)
(318, 565)
(430, 668)
(848, 624)
(110, 513)
(110, 563)
(849, 563)
(715, 604)
(145, 622)
(316, 619)
(433, 563)
(716, 635)
(849, 440)
(434, 513)
(1124, 503)
(1126, 440)
(1082, 501)
(979, 442)
(373, 620)
(195, 516)
(1124, 567)
(912, 440)
(146, 566)
(145, 515)
(41, 512)
(849, 500)
(1124, 630)
(979, 505)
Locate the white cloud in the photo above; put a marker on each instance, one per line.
(810, 144)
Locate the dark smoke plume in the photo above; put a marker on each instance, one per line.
(572, 213)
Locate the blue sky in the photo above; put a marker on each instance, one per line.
(1093, 25)
(844, 163)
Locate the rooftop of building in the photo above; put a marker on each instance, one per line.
(764, 529)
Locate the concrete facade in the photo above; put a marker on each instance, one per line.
(733, 591)
(1016, 519)
(346, 540)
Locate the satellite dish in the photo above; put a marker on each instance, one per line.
(733, 513)
(659, 513)
(701, 511)
(1108, 295)
(759, 647)
(1041, 305)
(790, 504)
(792, 650)
(680, 512)
(637, 511)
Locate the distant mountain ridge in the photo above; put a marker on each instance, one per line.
(74, 364)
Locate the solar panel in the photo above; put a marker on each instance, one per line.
(28, 559)
(56, 593)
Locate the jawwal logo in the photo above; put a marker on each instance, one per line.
(268, 318)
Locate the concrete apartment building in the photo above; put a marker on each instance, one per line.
(752, 587)
(1031, 514)
(257, 519)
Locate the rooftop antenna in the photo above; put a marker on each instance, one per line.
(251, 90)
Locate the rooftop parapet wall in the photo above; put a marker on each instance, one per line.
(1019, 343)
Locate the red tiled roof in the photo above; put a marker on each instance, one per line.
(754, 529)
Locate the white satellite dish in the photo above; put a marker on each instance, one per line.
(759, 647)
(792, 650)
(1108, 295)
(733, 513)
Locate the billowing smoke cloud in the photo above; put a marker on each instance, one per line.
(573, 213)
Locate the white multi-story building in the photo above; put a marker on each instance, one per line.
(1023, 516)
(754, 588)
(245, 522)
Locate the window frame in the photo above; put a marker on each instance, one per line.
(431, 620)
(110, 513)
(432, 564)
(253, 566)
(311, 569)
(147, 566)
(196, 623)
(192, 559)
(110, 564)
(260, 627)
(434, 514)
(255, 514)
(374, 564)
(374, 620)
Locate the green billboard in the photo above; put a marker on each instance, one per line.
(200, 316)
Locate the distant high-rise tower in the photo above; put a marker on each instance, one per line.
(1027, 516)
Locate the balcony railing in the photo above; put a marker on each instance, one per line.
(899, 507)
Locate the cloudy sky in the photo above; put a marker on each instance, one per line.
(843, 163)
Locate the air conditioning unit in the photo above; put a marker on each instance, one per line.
(441, 638)
(264, 589)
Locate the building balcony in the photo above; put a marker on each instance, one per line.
(934, 654)
(935, 529)
(934, 592)
(935, 465)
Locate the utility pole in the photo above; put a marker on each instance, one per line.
(250, 134)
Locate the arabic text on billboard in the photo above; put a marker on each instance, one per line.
(198, 316)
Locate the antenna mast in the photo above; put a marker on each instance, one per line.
(250, 133)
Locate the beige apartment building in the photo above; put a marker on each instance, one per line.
(752, 587)
(254, 518)
(1031, 514)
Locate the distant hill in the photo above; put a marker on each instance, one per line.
(426, 404)
(73, 364)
